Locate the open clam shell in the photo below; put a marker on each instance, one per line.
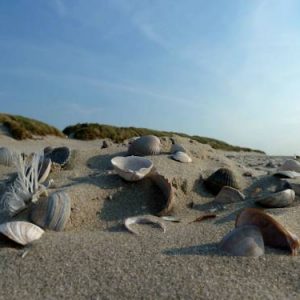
(279, 199)
(52, 212)
(243, 241)
(222, 177)
(6, 156)
(21, 232)
(274, 234)
(290, 165)
(145, 145)
(132, 168)
(229, 195)
(59, 155)
(181, 157)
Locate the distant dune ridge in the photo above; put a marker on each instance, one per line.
(21, 128)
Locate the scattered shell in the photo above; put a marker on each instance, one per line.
(222, 177)
(181, 157)
(274, 234)
(279, 199)
(287, 174)
(177, 147)
(52, 212)
(143, 220)
(59, 155)
(229, 195)
(104, 144)
(243, 241)
(44, 169)
(290, 165)
(145, 145)
(6, 156)
(132, 168)
(21, 232)
(171, 219)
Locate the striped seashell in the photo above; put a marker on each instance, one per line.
(132, 168)
(229, 195)
(274, 234)
(177, 147)
(222, 177)
(279, 199)
(21, 232)
(6, 156)
(59, 155)
(52, 212)
(181, 157)
(243, 241)
(145, 145)
(290, 165)
(44, 169)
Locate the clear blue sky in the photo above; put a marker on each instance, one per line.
(227, 69)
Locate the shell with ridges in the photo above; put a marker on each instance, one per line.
(181, 157)
(177, 147)
(279, 199)
(229, 195)
(145, 145)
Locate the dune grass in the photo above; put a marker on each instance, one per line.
(25, 128)
(90, 131)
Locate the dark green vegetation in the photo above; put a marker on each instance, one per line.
(22, 128)
(90, 131)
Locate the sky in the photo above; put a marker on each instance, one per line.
(225, 69)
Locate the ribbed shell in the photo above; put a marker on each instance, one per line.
(243, 241)
(6, 156)
(274, 234)
(52, 212)
(222, 177)
(279, 199)
(290, 165)
(229, 195)
(21, 232)
(60, 155)
(145, 145)
(177, 147)
(181, 157)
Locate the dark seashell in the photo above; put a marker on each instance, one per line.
(243, 241)
(274, 234)
(52, 212)
(60, 155)
(6, 156)
(47, 150)
(145, 145)
(279, 199)
(222, 177)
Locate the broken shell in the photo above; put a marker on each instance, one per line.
(148, 219)
(181, 157)
(145, 145)
(279, 199)
(21, 232)
(229, 195)
(44, 169)
(52, 212)
(220, 178)
(6, 156)
(132, 168)
(274, 234)
(243, 241)
(165, 186)
(177, 147)
(59, 155)
(290, 165)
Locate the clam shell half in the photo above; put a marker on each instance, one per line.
(181, 157)
(279, 199)
(145, 145)
(229, 195)
(290, 165)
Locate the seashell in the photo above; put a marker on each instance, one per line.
(229, 195)
(290, 165)
(243, 241)
(148, 219)
(181, 157)
(166, 187)
(274, 234)
(59, 155)
(6, 156)
(44, 169)
(145, 145)
(52, 212)
(132, 168)
(177, 147)
(287, 174)
(21, 232)
(279, 199)
(222, 177)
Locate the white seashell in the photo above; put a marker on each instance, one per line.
(148, 219)
(6, 156)
(229, 195)
(21, 232)
(279, 199)
(171, 219)
(132, 168)
(44, 169)
(181, 157)
(177, 147)
(290, 165)
(145, 145)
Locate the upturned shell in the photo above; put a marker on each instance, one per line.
(222, 177)
(279, 199)
(6, 156)
(52, 212)
(290, 165)
(229, 195)
(44, 169)
(145, 145)
(274, 234)
(132, 168)
(243, 241)
(21, 232)
(59, 155)
(177, 147)
(181, 157)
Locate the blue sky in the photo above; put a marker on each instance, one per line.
(227, 69)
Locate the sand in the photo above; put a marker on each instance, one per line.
(96, 258)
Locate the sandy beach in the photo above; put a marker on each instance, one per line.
(95, 257)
